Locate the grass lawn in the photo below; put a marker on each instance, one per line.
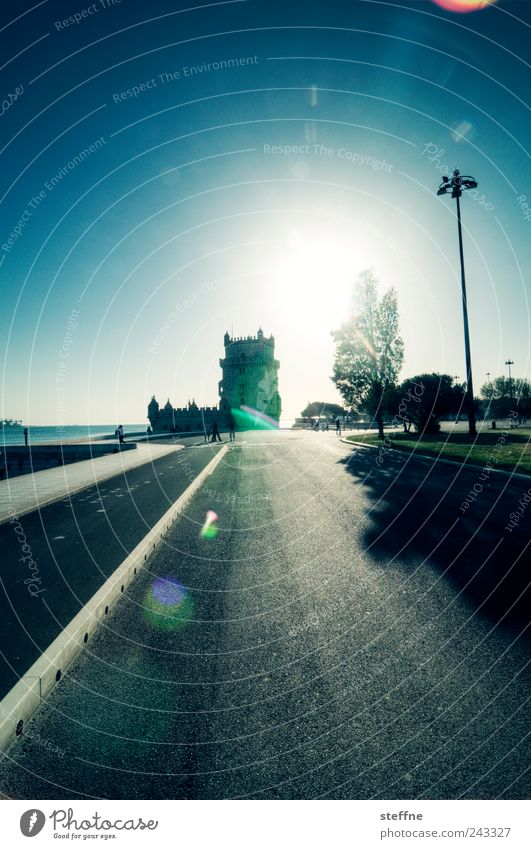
(503, 449)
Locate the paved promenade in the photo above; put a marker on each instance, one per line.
(26, 493)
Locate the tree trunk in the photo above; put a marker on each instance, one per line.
(379, 422)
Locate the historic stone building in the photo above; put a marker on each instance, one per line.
(250, 374)
(249, 381)
(168, 419)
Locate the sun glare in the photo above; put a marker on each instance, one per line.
(316, 279)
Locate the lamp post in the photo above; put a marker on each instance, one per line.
(455, 184)
(457, 415)
(487, 373)
(510, 363)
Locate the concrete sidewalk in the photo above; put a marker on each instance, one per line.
(27, 493)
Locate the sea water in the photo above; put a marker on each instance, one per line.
(64, 433)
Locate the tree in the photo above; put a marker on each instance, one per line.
(498, 393)
(369, 349)
(424, 398)
(321, 408)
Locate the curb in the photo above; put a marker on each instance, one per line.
(80, 487)
(19, 705)
(472, 466)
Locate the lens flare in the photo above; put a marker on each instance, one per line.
(167, 604)
(366, 344)
(248, 418)
(463, 6)
(210, 529)
(462, 132)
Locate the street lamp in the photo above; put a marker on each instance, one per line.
(458, 415)
(455, 184)
(487, 373)
(510, 363)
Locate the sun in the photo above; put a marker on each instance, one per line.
(315, 280)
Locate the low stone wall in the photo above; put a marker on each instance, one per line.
(127, 435)
(21, 460)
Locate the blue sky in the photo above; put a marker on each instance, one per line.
(251, 192)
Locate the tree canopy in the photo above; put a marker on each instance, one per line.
(424, 398)
(369, 349)
(497, 393)
(322, 408)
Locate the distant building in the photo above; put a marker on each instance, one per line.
(249, 380)
(168, 419)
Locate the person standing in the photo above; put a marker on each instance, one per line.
(120, 434)
(215, 432)
(26, 437)
(338, 426)
(232, 428)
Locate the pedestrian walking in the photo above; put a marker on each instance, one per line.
(232, 428)
(215, 432)
(120, 434)
(338, 426)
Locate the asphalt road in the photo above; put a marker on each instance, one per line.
(346, 633)
(77, 543)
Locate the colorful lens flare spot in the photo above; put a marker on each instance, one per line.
(248, 418)
(463, 6)
(210, 529)
(168, 605)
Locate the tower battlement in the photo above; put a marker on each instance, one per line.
(247, 348)
(231, 341)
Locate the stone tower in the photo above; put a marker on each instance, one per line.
(250, 375)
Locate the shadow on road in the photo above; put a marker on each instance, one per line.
(414, 515)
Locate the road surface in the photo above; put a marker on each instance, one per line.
(343, 632)
(77, 543)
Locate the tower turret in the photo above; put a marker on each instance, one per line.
(153, 412)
